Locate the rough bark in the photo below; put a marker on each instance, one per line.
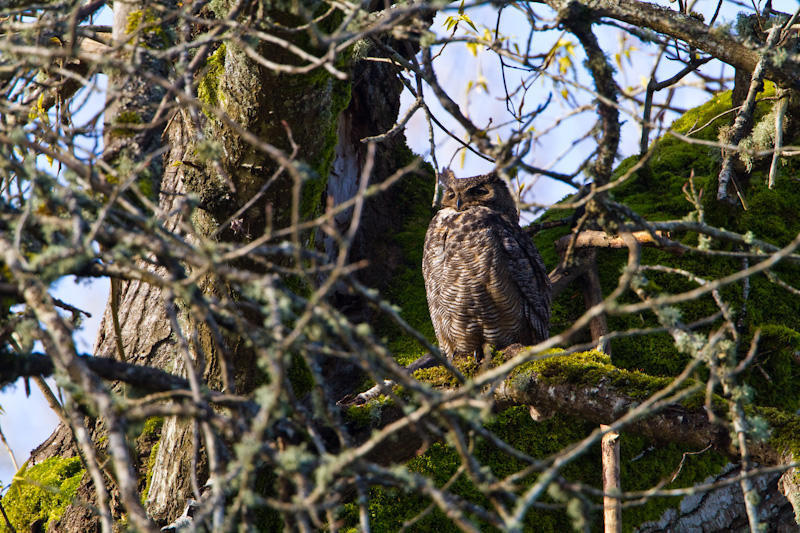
(723, 508)
(602, 404)
(612, 509)
(252, 94)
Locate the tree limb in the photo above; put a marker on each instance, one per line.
(719, 44)
(601, 239)
(143, 377)
(601, 403)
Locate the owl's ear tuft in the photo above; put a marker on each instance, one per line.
(446, 177)
(492, 177)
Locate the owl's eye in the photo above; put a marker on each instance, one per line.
(480, 190)
(449, 194)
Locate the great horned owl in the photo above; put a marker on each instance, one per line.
(485, 280)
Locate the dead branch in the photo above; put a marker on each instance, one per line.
(601, 239)
(566, 273)
(612, 508)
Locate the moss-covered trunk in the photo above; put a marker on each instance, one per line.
(223, 159)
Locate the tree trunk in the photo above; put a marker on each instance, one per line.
(314, 112)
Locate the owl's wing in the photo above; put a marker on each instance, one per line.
(529, 273)
(437, 280)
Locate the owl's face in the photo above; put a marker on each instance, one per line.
(479, 191)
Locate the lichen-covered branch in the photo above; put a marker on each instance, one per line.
(744, 117)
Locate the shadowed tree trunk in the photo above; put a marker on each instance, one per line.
(314, 118)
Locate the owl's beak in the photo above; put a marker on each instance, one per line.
(458, 202)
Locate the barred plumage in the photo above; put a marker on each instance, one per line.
(484, 277)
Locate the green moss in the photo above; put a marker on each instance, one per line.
(316, 182)
(785, 431)
(700, 116)
(152, 427)
(407, 288)
(125, 166)
(148, 187)
(150, 26)
(657, 195)
(775, 375)
(362, 416)
(642, 467)
(129, 117)
(208, 86)
(583, 369)
(437, 376)
(468, 366)
(151, 464)
(149, 439)
(121, 121)
(300, 376)
(390, 507)
(267, 519)
(330, 23)
(587, 369)
(134, 20)
(41, 492)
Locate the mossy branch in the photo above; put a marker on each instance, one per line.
(744, 117)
